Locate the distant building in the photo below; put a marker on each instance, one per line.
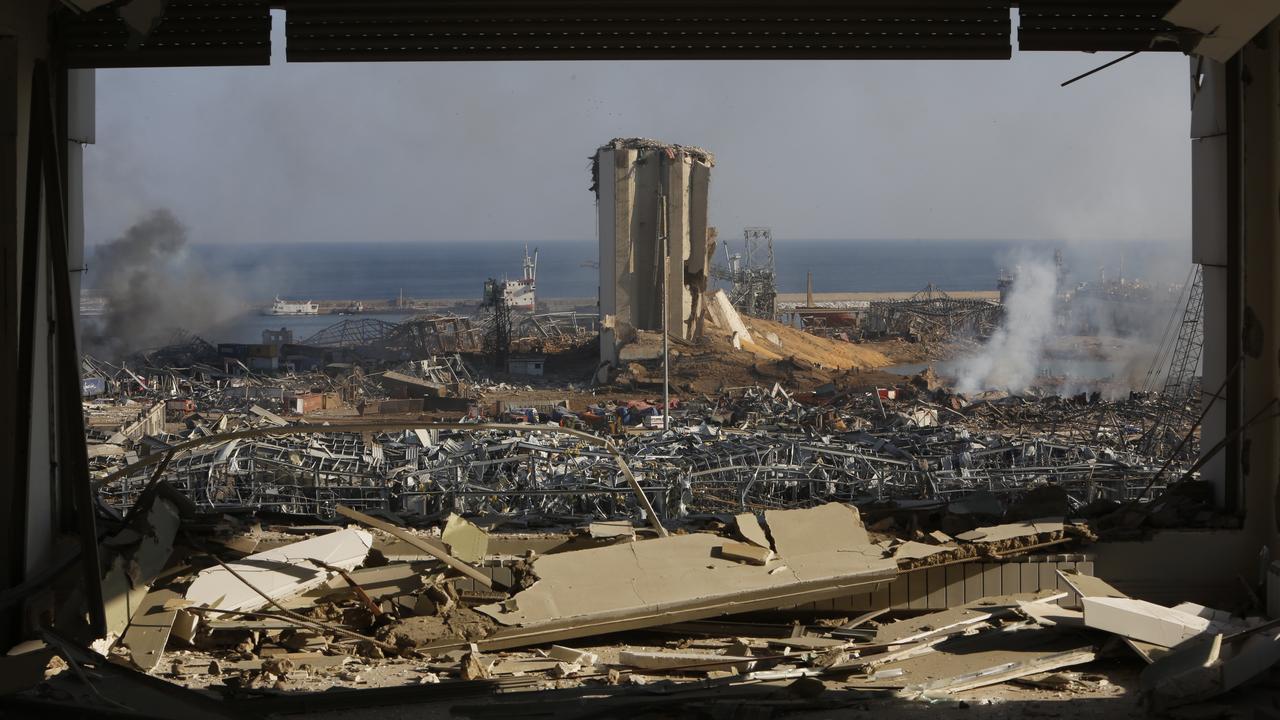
(283, 336)
(531, 365)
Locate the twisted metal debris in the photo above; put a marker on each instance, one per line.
(746, 449)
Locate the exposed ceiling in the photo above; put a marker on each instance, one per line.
(145, 33)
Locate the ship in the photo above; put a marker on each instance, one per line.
(290, 307)
(522, 294)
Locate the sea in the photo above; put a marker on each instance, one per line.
(457, 270)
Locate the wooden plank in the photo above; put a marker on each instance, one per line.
(417, 542)
(148, 631)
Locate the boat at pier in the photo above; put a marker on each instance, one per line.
(290, 307)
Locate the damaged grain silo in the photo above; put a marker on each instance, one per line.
(648, 192)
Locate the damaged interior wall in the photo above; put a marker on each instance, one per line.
(1258, 467)
(1235, 163)
(649, 194)
(41, 245)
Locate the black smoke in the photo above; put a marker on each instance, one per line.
(153, 286)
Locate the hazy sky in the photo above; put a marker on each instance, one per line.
(498, 151)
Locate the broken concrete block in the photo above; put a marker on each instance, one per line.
(683, 577)
(149, 630)
(135, 557)
(1209, 666)
(1142, 620)
(746, 552)
(280, 572)
(1000, 672)
(475, 667)
(564, 669)
(611, 529)
(571, 655)
(693, 661)
(912, 550)
(466, 541)
(184, 626)
(1049, 614)
(1088, 585)
(749, 528)
(417, 542)
(1012, 531)
(803, 532)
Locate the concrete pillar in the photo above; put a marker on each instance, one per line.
(81, 131)
(1209, 249)
(678, 297)
(1260, 266)
(623, 260)
(606, 230)
(699, 189)
(646, 276)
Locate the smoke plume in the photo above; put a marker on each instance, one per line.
(152, 289)
(1011, 357)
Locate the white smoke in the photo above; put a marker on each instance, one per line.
(1011, 357)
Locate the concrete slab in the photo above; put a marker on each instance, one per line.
(280, 572)
(749, 529)
(683, 577)
(1142, 620)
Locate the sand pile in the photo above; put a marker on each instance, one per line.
(783, 341)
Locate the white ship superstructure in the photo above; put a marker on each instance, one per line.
(291, 307)
(522, 294)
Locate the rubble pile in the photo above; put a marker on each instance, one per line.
(272, 617)
(769, 551)
(909, 447)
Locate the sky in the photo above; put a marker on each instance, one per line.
(423, 152)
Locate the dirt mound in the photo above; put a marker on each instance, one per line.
(787, 342)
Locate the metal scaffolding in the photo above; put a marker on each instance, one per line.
(753, 279)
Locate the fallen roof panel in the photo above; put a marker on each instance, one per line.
(678, 578)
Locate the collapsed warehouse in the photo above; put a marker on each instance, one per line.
(845, 548)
